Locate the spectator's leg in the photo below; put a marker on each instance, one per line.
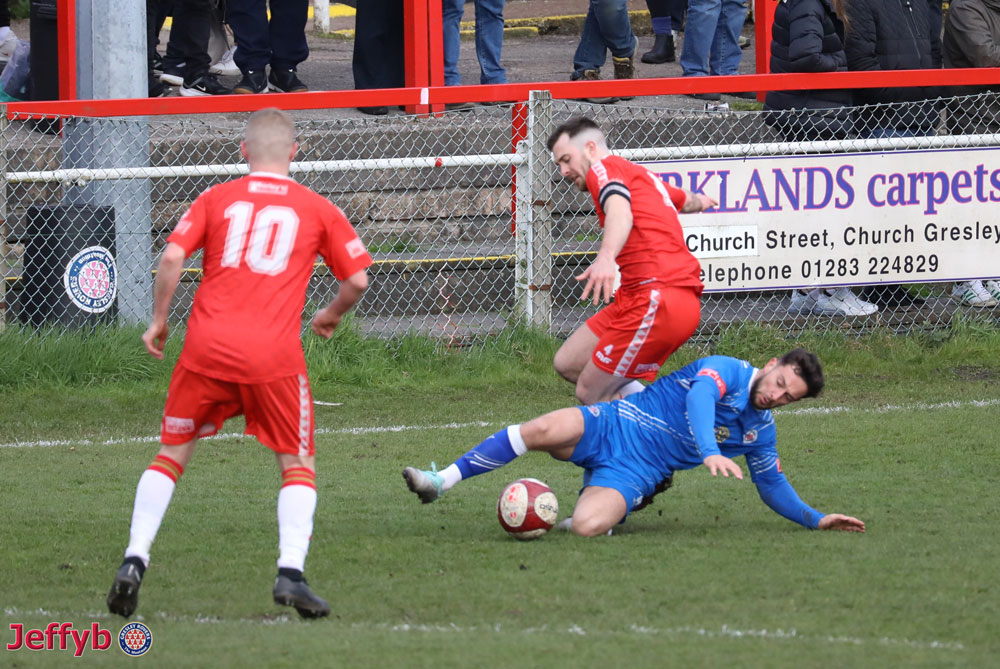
(676, 9)
(287, 34)
(248, 20)
(702, 20)
(590, 52)
(616, 29)
(191, 27)
(451, 17)
(489, 41)
(378, 46)
(726, 53)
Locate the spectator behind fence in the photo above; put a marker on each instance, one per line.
(379, 59)
(808, 36)
(712, 41)
(667, 17)
(188, 60)
(8, 40)
(972, 39)
(894, 35)
(277, 43)
(489, 41)
(606, 28)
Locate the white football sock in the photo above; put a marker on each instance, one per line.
(296, 506)
(152, 497)
(451, 475)
(630, 388)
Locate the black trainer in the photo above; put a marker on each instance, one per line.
(285, 81)
(291, 592)
(206, 84)
(124, 595)
(253, 81)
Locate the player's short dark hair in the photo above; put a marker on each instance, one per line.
(572, 127)
(807, 366)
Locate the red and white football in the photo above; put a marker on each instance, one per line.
(527, 509)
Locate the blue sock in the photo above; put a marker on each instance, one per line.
(661, 25)
(493, 452)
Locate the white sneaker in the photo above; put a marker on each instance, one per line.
(973, 294)
(8, 43)
(867, 307)
(226, 65)
(993, 286)
(802, 302)
(840, 302)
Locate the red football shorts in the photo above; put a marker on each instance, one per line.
(642, 327)
(278, 413)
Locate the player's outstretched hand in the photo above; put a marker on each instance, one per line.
(838, 521)
(600, 277)
(325, 322)
(720, 463)
(155, 338)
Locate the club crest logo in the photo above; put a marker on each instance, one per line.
(721, 433)
(135, 639)
(91, 279)
(749, 436)
(594, 411)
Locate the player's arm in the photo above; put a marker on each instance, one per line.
(780, 496)
(600, 275)
(327, 319)
(700, 405)
(168, 274)
(695, 202)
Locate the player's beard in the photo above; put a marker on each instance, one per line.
(754, 392)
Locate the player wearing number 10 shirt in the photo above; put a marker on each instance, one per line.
(260, 236)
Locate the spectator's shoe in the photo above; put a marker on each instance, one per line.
(206, 84)
(124, 595)
(157, 89)
(226, 66)
(662, 51)
(973, 294)
(993, 288)
(458, 106)
(428, 485)
(593, 75)
(172, 74)
(7, 45)
(157, 63)
(374, 111)
(802, 302)
(284, 80)
(290, 592)
(253, 81)
(744, 42)
(625, 67)
(842, 302)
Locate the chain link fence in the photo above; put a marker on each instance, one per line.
(87, 207)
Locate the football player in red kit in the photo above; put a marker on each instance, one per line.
(657, 307)
(242, 353)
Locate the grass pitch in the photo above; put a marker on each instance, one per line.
(706, 576)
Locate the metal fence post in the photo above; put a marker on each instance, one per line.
(533, 236)
(4, 249)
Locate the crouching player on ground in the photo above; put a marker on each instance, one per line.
(242, 353)
(708, 412)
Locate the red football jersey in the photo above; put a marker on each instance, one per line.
(261, 235)
(655, 248)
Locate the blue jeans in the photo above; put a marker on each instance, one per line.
(711, 38)
(606, 27)
(489, 40)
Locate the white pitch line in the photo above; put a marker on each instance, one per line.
(235, 435)
(804, 411)
(725, 631)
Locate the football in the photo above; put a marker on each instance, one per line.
(527, 509)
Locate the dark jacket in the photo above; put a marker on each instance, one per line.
(972, 39)
(895, 35)
(807, 36)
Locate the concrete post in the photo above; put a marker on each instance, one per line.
(111, 63)
(534, 232)
(321, 15)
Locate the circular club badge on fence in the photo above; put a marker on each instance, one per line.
(91, 279)
(135, 639)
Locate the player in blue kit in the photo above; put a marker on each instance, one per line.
(709, 412)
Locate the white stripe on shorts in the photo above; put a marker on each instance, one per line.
(640, 335)
(305, 409)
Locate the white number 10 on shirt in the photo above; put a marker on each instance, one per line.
(272, 237)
